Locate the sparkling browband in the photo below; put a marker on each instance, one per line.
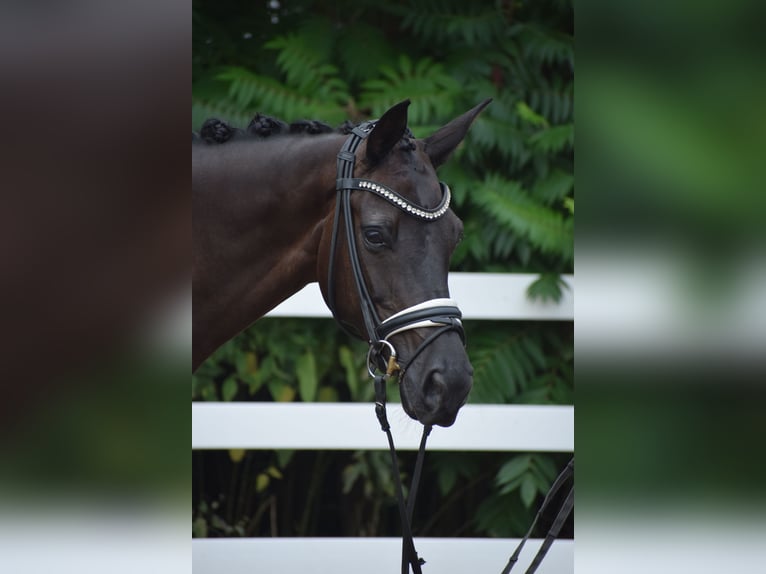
(395, 199)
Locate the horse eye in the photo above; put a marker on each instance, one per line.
(374, 238)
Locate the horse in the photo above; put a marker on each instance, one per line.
(363, 214)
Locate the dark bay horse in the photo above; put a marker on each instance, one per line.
(268, 219)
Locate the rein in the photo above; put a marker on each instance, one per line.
(558, 522)
(441, 313)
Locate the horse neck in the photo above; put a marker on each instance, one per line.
(259, 212)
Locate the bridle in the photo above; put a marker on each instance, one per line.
(441, 314)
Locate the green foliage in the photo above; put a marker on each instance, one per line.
(513, 186)
(285, 360)
(430, 88)
(507, 202)
(313, 91)
(502, 516)
(529, 473)
(470, 23)
(547, 287)
(521, 363)
(513, 177)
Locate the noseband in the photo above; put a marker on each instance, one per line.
(441, 313)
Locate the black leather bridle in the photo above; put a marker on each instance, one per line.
(441, 314)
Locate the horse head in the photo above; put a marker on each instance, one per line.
(403, 237)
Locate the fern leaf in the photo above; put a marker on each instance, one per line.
(553, 188)
(508, 203)
(429, 87)
(553, 139)
(547, 287)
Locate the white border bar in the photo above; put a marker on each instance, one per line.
(370, 555)
(353, 426)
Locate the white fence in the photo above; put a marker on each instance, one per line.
(353, 426)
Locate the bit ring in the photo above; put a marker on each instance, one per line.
(377, 347)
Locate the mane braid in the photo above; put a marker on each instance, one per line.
(217, 131)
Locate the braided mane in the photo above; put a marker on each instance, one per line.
(216, 131)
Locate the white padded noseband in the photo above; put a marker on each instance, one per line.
(431, 304)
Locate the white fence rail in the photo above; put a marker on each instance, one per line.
(370, 555)
(352, 426)
(480, 295)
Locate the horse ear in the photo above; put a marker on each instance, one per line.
(443, 142)
(388, 130)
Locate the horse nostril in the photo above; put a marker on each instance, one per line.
(434, 391)
(443, 392)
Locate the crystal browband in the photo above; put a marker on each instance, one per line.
(395, 199)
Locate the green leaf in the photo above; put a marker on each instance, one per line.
(202, 386)
(281, 391)
(229, 389)
(554, 139)
(531, 346)
(262, 482)
(209, 394)
(283, 457)
(247, 371)
(528, 489)
(219, 523)
(274, 472)
(528, 114)
(547, 287)
(199, 527)
(554, 187)
(237, 454)
(546, 468)
(306, 371)
(502, 516)
(513, 469)
(346, 358)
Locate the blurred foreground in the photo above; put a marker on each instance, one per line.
(670, 331)
(95, 258)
